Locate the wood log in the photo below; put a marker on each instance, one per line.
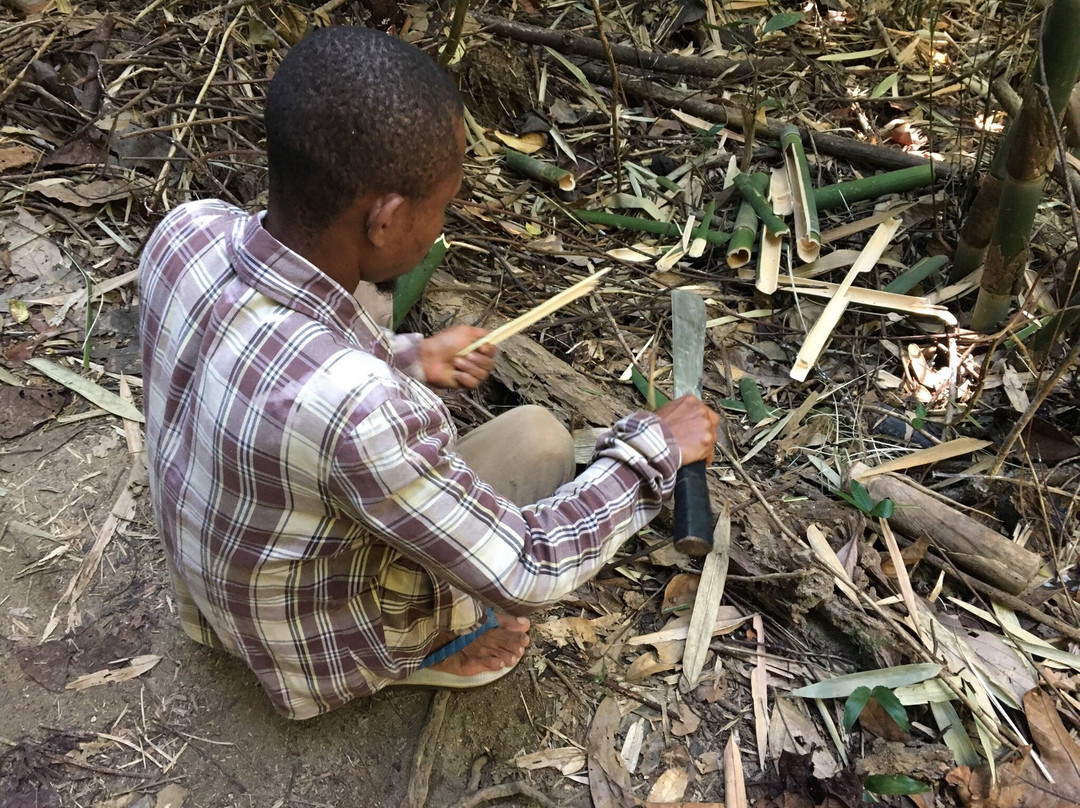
(982, 552)
(568, 42)
(529, 369)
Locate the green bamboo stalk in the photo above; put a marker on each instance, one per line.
(891, 182)
(981, 217)
(446, 55)
(616, 220)
(1028, 162)
(744, 233)
(697, 236)
(752, 400)
(410, 286)
(753, 187)
(539, 170)
(907, 280)
(807, 231)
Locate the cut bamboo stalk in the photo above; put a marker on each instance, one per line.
(699, 242)
(834, 309)
(753, 188)
(538, 170)
(889, 301)
(518, 324)
(971, 545)
(807, 234)
(744, 233)
(892, 182)
(780, 192)
(707, 603)
(756, 410)
(617, 220)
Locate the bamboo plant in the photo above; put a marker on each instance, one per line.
(1029, 160)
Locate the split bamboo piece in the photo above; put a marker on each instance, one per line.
(807, 234)
(579, 289)
(745, 231)
(890, 301)
(771, 249)
(707, 602)
(821, 331)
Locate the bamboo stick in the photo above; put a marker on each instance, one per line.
(892, 182)
(807, 234)
(409, 287)
(669, 229)
(821, 331)
(707, 603)
(518, 324)
(753, 188)
(780, 192)
(539, 170)
(771, 249)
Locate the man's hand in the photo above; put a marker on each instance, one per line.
(443, 369)
(694, 426)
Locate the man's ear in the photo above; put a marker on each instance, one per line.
(381, 216)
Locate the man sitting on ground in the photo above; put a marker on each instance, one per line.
(321, 518)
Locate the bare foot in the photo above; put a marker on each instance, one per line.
(493, 650)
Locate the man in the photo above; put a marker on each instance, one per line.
(320, 516)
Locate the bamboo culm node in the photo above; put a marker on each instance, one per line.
(541, 171)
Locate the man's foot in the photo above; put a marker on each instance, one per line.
(495, 649)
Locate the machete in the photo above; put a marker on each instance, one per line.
(693, 516)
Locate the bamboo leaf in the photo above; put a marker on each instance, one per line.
(890, 704)
(841, 687)
(861, 497)
(854, 705)
(894, 785)
(883, 509)
(885, 85)
(781, 21)
(91, 391)
(852, 56)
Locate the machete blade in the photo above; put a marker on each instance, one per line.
(688, 338)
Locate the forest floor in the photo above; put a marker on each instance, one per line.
(956, 634)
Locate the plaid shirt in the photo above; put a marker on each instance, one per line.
(317, 520)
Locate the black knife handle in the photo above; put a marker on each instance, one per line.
(693, 515)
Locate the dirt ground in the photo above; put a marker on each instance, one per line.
(198, 719)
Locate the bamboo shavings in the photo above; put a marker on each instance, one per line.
(771, 250)
(923, 457)
(821, 331)
(734, 783)
(780, 192)
(518, 324)
(807, 234)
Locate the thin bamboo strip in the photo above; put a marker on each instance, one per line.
(579, 289)
(890, 301)
(821, 331)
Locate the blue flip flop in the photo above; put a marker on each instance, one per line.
(425, 677)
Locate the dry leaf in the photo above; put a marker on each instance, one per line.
(670, 786)
(646, 665)
(685, 721)
(17, 157)
(87, 194)
(609, 781)
(529, 143)
(172, 796)
(680, 592)
(579, 630)
(567, 759)
(137, 667)
(790, 730)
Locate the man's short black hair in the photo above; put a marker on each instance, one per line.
(352, 110)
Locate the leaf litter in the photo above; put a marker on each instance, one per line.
(98, 145)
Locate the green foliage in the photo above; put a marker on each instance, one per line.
(860, 498)
(782, 21)
(894, 785)
(920, 416)
(861, 696)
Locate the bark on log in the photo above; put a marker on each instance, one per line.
(567, 42)
(972, 546)
(852, 150)
(530, 370)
